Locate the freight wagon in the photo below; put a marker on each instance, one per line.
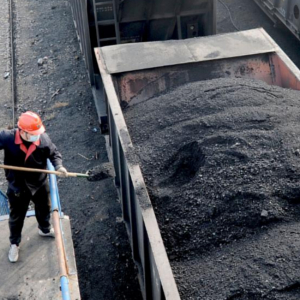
(102, 23)
(284, 13)
(134, 72)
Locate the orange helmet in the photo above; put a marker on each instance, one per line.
(31, 123)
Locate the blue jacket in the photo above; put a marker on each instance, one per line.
(35, 156)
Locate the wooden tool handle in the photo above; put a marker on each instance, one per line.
(41, 171)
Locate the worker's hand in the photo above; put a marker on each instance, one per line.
(63, 172)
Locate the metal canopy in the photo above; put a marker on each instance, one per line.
(132, 57)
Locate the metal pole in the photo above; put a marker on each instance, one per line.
(64, 283)
(55, 203)
(12, 62)
(59, 244)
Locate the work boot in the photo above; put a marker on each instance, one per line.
(13, 254)
(49, 234)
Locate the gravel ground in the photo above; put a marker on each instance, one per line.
(5, 101)
(60, 92)
(228, 165)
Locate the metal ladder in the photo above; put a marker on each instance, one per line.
(106, 16)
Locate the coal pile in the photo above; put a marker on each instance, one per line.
(100, 172)
(221, 160)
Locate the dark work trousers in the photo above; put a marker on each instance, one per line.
(18, 208)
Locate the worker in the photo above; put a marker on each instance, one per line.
(28, 146)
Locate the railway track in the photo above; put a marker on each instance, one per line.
(12, 63)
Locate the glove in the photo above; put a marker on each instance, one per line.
(63, 172)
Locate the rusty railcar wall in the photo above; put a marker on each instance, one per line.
(283, 12)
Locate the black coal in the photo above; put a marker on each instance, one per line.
(221, 162)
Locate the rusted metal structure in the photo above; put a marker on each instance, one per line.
(101, 23)
(283, 12)
(135, 72)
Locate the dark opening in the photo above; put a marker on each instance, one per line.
(107, 31)
(296, 12)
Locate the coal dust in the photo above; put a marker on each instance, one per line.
(221, 160)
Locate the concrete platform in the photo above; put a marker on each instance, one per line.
(36, 274)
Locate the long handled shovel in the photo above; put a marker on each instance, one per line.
(42, 171)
